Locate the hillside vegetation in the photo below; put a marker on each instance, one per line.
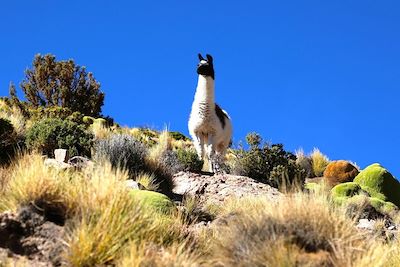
(118, 206)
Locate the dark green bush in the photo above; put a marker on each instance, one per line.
(189, 160)
(266, 163)
(53, 133)
(8, 141)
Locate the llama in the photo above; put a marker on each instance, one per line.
(209, 125)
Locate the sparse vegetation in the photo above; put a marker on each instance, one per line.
(267, 163)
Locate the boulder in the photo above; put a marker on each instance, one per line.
(217, 188)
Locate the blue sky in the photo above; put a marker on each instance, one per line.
(306, 74)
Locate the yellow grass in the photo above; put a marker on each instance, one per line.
(298, 230)
(319, 162)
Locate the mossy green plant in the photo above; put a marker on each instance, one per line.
(154, 200)
(346, 190)
(379, 183)
(384, 206)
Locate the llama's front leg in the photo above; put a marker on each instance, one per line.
(211, 153)
(199, 145)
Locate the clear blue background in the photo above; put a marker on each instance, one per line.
(307, 74)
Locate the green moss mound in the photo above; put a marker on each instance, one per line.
(379, 183)
(384, 206)
(346, 190)
(155, 201)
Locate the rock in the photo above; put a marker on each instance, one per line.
(57, 164)
(366, 224)
(131, 184)
(61, 155)
(79, 162)
(217, 188)
(27, 235)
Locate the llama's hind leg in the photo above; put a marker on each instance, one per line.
(219, 158)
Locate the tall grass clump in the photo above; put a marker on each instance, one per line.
(125, 152)
(319, 162)
(30, 182)
(111, 220)
(299, 230)
(14, 114)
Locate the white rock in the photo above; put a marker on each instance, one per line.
(131, 184)
(61, 155)
(366, 224)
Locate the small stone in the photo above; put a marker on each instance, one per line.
(61, 155)
(366, 224)
(131, 184)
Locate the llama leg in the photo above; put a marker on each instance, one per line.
(199, 145)
(211, 153)
(220, 152)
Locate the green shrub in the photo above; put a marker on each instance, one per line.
(178, 136)
(340, 171)
(8, 141)
(53, 133)
(189, 160)
(267, 163)
(379, 183)
(153, 200)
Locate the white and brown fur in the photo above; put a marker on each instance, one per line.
(209, 125)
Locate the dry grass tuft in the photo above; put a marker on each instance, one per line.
(319, 162)
(299, 230)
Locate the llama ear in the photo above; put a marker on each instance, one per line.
(200, 57)
(209, 58)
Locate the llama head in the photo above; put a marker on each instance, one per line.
(205, 66)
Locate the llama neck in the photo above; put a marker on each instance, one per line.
(205, 90)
